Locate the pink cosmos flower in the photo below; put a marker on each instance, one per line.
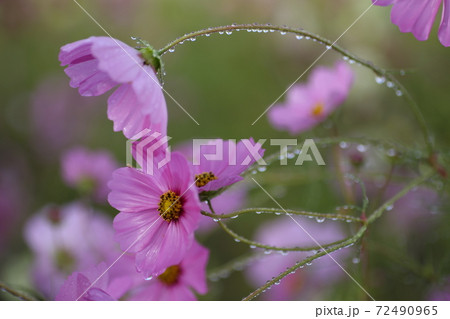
(66, 239)
(307, 283)
(176, 282)
(89, 171)
(221, 162)
(98, 283)
(158, 213)
(98, 64)
(417, 16)
(309, 104)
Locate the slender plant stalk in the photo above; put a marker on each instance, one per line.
(351, 241)
(15, 293)
(341, 217)
(330, 45)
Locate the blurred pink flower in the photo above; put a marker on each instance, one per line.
(308, 283)
(98, 64)
(309, 104)
(417, 16)
(158, 213)
(440, 293)
(88, 171)
(66, 239)
(415, 212)
(176, 282)
(227, 202)
(98, 283)
(220, 171)
(59, 118)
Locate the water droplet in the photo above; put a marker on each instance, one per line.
(361, 148)
(216, 220)
(149, 278)
(345, 58)
(390, 84)
(284, 252)
(258, 212)
(262, 168)
(229, 32)
(252, 246)
(277, 283)
(307, 38)
(235, 216)
(193, 39)
(171, 50)
(390, 207)
(351, 61)
(308, 263)
(207, 35)
(380, 79)
(328, 47)
(398, 93)
(299, 37)
(356, 260)
(391, 152)
(282, 33)
(267, 252)
(297, 151)
(343, 145)
(320, 219)
(237, 240)
(220, 32)
(278, 213)
(290, 155)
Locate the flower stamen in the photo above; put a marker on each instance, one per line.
(170, 275)
(318, 109)
(204, 178)
(170, 206)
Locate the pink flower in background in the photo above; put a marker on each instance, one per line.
(176, 282)
(98, 283)
(307, 283)
(88, 171)
(440, 293)
(225, 203)
(66, 239)
(158, 213)
(98, 64)
(417, 16)
(220, 171)
(309, 104)
(60, 118)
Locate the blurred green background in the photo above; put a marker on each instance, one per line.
(225, 82)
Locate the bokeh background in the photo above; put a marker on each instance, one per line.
(225, 82)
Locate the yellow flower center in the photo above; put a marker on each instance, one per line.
(170, 275)
(204, 178)
(318, 109)
(170, 206)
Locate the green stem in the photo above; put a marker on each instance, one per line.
(15, 293)
(330, 45)
(342, 217)
(269, 248)
(351, 241)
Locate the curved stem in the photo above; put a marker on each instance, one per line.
(342, 217)
(352, 240)
(15, 293)
(269, 248)
(330, 45)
